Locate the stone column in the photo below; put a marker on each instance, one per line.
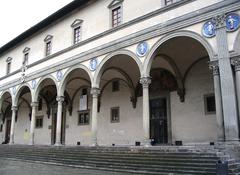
(95, 93)
(227, 81)
(236, 64)
(14, 113)
(218, 101)
(60, 100)
(145, 81)
(33, 121)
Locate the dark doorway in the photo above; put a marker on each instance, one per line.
(158, 121)
(8, 130)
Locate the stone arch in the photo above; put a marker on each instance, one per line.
(236, 46)
(2, 94)
(184, 33)
(100, 69)
(63, 83)
(19, 90)
(38, 86)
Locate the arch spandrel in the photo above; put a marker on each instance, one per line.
(99, 71)
(183, 33)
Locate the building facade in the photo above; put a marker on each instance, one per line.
(117, 72)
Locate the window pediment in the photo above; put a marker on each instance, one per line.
(27, 49)
(115, 3)
(48, 38)
(76, 23)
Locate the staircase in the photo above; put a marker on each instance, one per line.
(172, 160)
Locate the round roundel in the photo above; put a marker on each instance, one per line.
(142, 49)
(232, 22)
(209, 29)
(93, 64)
(59, 75)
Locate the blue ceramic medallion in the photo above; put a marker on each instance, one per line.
(142, 49)
(232, 22)
(209, 29)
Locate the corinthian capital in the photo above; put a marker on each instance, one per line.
(236, 63)
(145, 81)
(60, 99)
(214, 67)
(95, 92)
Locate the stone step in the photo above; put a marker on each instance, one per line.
(118, 167)
(168, 162)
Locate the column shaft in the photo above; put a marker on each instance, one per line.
(95, 92)
(60, 100)
(33, 121)
(218, 102)
(145, 81)
(14, 113)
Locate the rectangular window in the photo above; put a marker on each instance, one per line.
(209, 102)
(25, 59)
(39, 121)
(83, 118)
(77, 35)
(116, 16)
(1, 127)
(48, 48)
(115, 116)
(115, 86)
(8, 67)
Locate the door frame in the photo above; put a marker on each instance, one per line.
(165, 95)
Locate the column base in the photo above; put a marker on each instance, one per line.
(147, 143)
(58, 144)
(94, 142)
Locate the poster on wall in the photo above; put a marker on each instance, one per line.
(83, 103)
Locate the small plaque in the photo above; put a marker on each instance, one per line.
(209, 29)
(232, 22)
(142, 49)
(93, 64)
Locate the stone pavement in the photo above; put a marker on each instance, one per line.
(10, 167)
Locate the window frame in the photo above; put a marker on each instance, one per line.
(83, 113)
(40, 117)
(206, 104)
(26, 52)
(9, 65)
(164, 3)
(111, 115)
(76, 24)
(47, 40)
(117, 87)
(112, 6)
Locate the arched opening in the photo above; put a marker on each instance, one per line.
(6, 114)
(23, 101)
(77, 84)
(120, 116)
(46, 113)
(182, 103)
